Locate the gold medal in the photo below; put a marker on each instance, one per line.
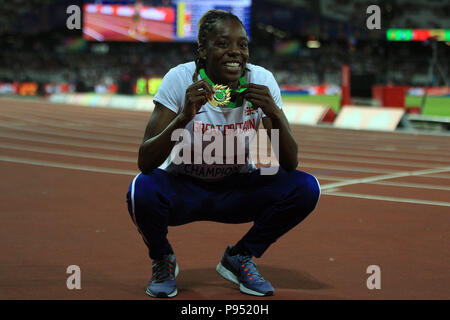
(221, 96)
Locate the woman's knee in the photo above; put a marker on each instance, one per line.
(146, 191)
(308, 189)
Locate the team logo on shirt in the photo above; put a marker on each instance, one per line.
(250, 111)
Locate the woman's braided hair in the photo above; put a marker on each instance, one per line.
(205, 26)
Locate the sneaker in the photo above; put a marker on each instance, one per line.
(162, 284)
(242, 271)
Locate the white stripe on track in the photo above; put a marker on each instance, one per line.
(67, 166)
(305, 152)
(384, 155)
(5, 124)
(305, 142)
(343, 134)
(94, 136)
(92, 145)
(95, 145)
(302, 155)
(79, 126)
(384, 177)
(91, 155)
(383, 198)
(310, 153)
(134, 173)
(75, 109)
(304, 164)
(50, 112)
(391, 183)
(79, 154)
(374, 134)
(411, 185)
(368, 161)
(105, 135)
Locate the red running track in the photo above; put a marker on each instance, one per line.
(65, 171)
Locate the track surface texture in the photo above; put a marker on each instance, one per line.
(66, 169)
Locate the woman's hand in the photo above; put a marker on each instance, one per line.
(260, 96)
(197, 94)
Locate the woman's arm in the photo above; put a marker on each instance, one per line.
(157, 143)
(288, 147)
(260, 95)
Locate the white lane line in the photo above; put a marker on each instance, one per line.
(331, 178)
(134, 173)
(318, 130)
(343, 168)
(384, 177)
(302, 155)
(362, 146)
(374, 135)
(383, 198)
(393, 139)
(60, 152)
(23, 127)
(70, 110)
(390, 183)
(91, 155)
(5, 124)
(123, 148)
(116, 131)
(441, 176)
(342, 133)
(368, 161)
(134, 149)
(383, 155)
(305, 142)
(91, 145)
(63, 116)
(411, 185)
(81, 154)
(136, 128)
(90, 126)
(390, 142)
(94, 124)
(309, 153)
(67, 166)
(129, 141)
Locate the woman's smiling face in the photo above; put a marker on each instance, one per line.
(225, 52)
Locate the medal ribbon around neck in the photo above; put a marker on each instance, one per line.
(222, 94)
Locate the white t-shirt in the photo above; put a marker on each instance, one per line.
(213, 120)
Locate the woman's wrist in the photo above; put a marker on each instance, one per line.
(182, 120)
(275, 115)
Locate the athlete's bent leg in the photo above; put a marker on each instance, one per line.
(149, 206)
(299, 193)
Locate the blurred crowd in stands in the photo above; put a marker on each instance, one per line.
(51, 56)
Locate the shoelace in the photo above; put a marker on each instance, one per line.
(163, 270)
(249, 267)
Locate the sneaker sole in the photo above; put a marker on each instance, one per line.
(163, 294)
(227, 274)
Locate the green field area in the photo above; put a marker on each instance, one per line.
(435, 106)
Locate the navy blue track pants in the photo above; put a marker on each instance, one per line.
(275, 203)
